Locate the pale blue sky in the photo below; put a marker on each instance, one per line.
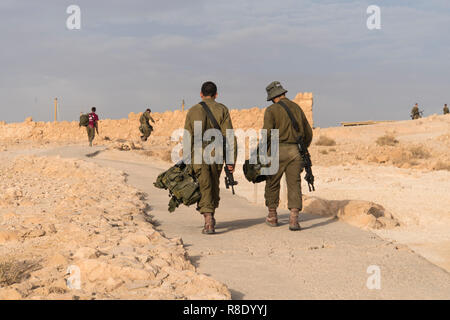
(133, 54)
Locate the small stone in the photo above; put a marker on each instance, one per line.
(9, 294)
(57, 260)
(138, 285)
(85, 253)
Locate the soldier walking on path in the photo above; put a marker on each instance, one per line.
(146, 128)
(290, 161)
(208, 175)
(92, 126)
(446, 111)
(415, 113)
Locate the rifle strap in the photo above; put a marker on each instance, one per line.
(210, 116)
(291, 116)
(213, 121)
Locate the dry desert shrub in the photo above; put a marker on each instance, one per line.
(419, 152)
(12, 272)
(440, 165)
(408, 157)
(325, 141)
(387, 140)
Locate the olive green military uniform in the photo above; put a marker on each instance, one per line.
(145, 128)
(276, 117)
(415, 114)
(446, 111)
(91, 133)
(208, 175)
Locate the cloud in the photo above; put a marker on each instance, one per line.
(156, 53)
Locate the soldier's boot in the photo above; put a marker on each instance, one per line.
(293, 220)
(210, 224)
(272, 219)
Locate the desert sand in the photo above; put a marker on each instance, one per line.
(381, 199)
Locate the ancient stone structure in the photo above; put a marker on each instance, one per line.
(305, 101)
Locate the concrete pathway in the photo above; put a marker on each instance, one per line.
(328, 259)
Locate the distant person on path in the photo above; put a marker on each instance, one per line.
(415, 113)
(92, 126)
(446, 111)
(146, 128)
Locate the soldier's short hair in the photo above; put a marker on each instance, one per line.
(209, 89)
(94, 109)
(148, 110)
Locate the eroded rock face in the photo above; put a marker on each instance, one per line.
(83, 228)
(362, 214)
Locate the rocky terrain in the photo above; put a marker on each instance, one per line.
(392, 178)
(63, 221)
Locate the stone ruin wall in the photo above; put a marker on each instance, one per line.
(166, 123)
(306, 100)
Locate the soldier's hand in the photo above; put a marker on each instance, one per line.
(230, 168)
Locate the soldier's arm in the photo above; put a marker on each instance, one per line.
(151, 119)
(97, 119)
(269, 124)
(189, 131)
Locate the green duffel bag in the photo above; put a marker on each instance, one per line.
(84, 120)
(182, 185)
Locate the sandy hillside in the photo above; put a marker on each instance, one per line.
(62, 216)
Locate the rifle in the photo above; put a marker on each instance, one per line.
(414, 114)
(229, 178)
(309, 177)
(306, 157)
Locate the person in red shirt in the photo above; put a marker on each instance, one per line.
(92, 126)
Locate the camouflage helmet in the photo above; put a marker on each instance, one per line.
(274, 90)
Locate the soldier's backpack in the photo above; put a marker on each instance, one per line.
(84, 120)
(182, 185)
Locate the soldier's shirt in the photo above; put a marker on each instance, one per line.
(197, 113)
(275, 117)
(93, 119)
(415, 110)
(145, 119)
(446, 110)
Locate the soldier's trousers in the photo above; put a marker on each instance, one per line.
(291, 165)
(90, 133)
(208, 177)
(146, 131)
